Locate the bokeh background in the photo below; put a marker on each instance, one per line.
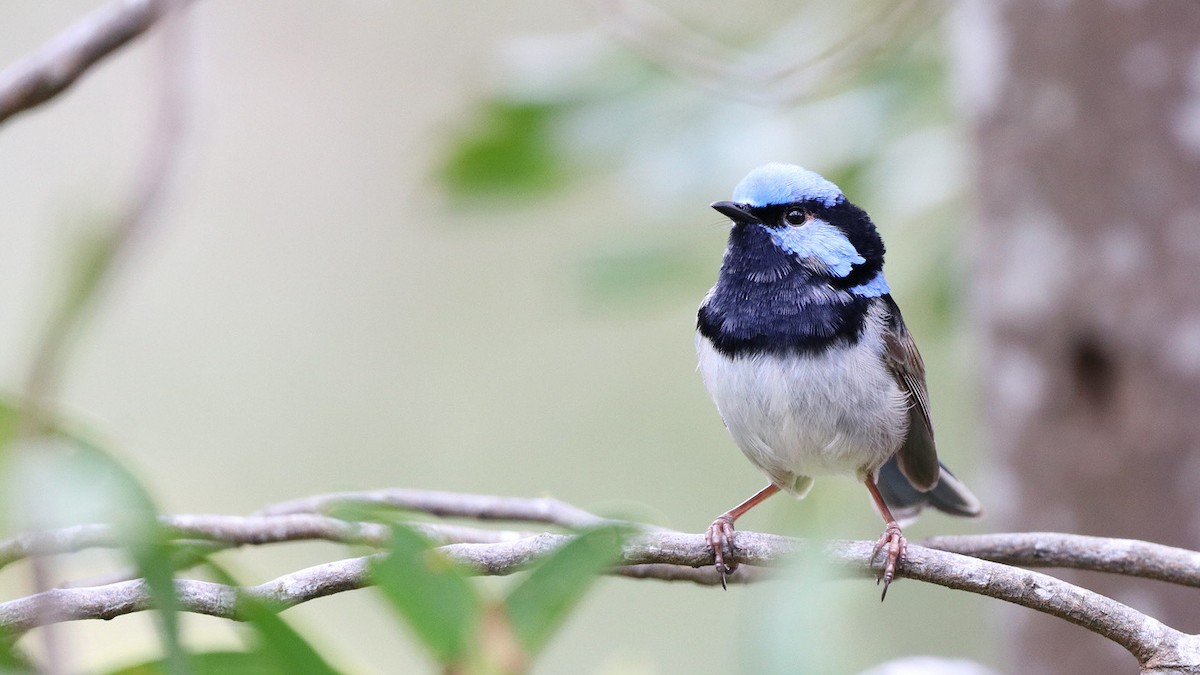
(458, 247)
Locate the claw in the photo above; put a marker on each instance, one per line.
(720, 533)
(720, 540)
(896, 545)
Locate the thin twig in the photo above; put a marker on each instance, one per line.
(480, 507)
(49, 71)
(229, 531)
(764, 79)
(145, 199)
(33, 81)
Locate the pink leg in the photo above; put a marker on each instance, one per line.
(892, 539)
(720, 533)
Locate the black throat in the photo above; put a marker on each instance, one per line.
(767, 302)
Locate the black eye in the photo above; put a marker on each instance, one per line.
(795, 217)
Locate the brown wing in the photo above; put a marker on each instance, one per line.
(918, 456)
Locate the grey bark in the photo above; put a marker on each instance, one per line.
(1086, 121)
(651, 553)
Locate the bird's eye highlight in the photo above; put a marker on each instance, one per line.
(795, 217)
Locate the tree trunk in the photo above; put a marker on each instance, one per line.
(1087, 285)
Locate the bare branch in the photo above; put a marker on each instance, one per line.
(481, 507)
(228, 531)
(255, 530)
(146, 197)
(763, 79)
(48, 72)
(200, 597)
(704, 576)
(1129, 557)
(1138, 633)
(651, 554)
(655, 555)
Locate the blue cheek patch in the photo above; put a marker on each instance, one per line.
(874, 288)
(785, 184)
(822, 241)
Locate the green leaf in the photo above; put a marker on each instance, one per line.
(542, 602)
(283, 648)
(12, 661)
(510, 151)
(148, 543)
(431, 593)
(90, 262)
(60, 479)
(10, 415)
(212, 663)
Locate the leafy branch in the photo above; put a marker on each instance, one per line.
(990, 565)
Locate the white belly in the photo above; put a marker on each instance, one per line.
(840, 412)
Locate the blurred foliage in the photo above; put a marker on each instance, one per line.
(570, 110)
(63, 479)
(509, 151)
(542, 602)
(67, 480)
(97, 248)
(549, 121)
(432, 595)
(150, 549)
(467, 632)
(278, 643)
(276, 647)
(10, 418)
(464, 630)
(12, 661)
(213, 663)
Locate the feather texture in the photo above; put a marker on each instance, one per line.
(806, 354)
(918, 455)
(837, 412)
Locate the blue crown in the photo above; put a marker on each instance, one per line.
(784, 184)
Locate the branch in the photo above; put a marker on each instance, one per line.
(228, 531)
(480, 507)
(651, 554)
(200, 597)
(1129, 557)
(49, 71)
(34, 80)
(760, 78)
(704, 576)
(656, 555)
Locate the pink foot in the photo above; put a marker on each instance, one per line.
(720, 540)
(893, 541)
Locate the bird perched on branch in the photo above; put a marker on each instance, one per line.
(809, 362)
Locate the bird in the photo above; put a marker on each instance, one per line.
(809, 362)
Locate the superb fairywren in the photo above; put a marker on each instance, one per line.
(809, 362)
